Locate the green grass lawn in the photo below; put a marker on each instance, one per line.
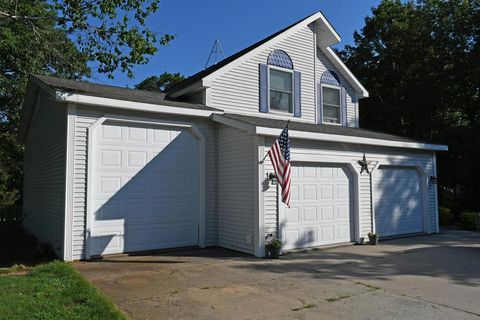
(54, 290)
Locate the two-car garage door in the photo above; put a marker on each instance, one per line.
(144, 189)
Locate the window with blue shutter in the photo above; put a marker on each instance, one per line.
(280, 84)
(332, 100)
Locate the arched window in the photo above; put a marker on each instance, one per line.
(280, 59)
(332, 99)
(279, 84)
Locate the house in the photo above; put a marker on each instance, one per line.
(111, 170)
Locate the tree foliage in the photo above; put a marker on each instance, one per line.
(54, 37)
(160, 83)
(112, 33)
(420, 62)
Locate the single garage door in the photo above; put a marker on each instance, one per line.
(398, 201)
(144, 189)
(320, 211)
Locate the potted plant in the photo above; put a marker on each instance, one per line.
(373, 238)
(273, 247)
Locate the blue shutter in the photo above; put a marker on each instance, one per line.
(320, 104)
(297, 100)
(343, 106)
(263, 85)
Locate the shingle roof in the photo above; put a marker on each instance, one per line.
(113, 92)
(322, 128)
(202, 74)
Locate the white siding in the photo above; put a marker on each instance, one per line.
(351, 154)
(321, 65)
(271, 200)
(235, 189)
(237, 90)
(85, 117)
(44, 173)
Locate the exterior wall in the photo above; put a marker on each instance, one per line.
(335, 152)
(237, 90)
(85, 117)
(44, 173)
(235, 189)
(321, 65)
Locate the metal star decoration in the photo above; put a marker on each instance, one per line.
(364, 164)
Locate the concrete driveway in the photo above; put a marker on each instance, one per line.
(425, 277)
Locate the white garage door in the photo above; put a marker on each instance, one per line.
(320, 210)
(398, 201)
(144, 189)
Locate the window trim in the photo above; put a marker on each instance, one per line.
(339, 123)
(291, 92)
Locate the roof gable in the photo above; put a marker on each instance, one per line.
(325, 34)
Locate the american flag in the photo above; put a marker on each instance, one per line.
(280, 156)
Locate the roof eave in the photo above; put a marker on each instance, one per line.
(130, 105)
(359, 88)
(317, 136)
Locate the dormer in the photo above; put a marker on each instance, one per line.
(293, 74)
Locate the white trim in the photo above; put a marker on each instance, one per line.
(350, 139)
(372, 197)
(435, 186)
(207, 97)
(345, 71)
(330, 28)
(131, 105)
(146, 121)
(340, 111)
(69, 182)
(292, 98)
(249, 128)
(295, 134)
(259, 176)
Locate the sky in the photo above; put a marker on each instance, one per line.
(237, 24)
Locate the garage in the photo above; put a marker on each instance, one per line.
(144, 189)
(321, 206)
(398, 201)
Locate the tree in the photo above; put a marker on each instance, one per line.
(420, 63)
(110, 32)
(54, 37)
(160, 83)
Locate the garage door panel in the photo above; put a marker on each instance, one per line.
(309, 192)
(326, 192)
(328, 213)
(321, 212)
(310, 214)
(398, 201)
(145, 190)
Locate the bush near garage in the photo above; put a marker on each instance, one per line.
(446, 216)
(470, 220)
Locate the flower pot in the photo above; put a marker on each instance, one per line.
(373, 240)
(272, 253)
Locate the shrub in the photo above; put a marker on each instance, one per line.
(274, 243)
(469, 220)
(446, 216)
